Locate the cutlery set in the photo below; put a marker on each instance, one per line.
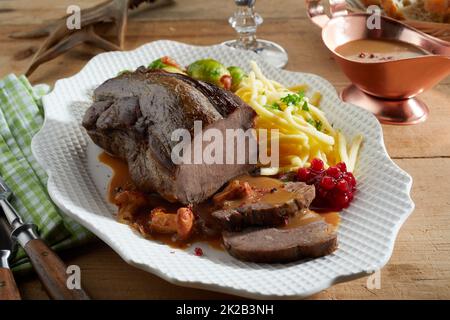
(8, 288)
(48, 266)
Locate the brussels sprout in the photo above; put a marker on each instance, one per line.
(167, 64)
(211, 71)
(237, 74)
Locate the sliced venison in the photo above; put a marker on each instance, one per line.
(271, 245)
(134, 115)
(270, 207)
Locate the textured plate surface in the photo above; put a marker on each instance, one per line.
(77, 183)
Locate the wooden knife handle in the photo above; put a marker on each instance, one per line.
(52, 272)
(8, 287)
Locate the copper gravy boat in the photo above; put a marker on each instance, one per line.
(386, 88)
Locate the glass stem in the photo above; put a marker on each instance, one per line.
(248, 40)
(245, 21)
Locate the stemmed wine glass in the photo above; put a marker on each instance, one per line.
(245, 21)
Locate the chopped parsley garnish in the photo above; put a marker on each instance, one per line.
(274, 106)
(305, 106)
(316, 123)
(295, 99)
(291, 99)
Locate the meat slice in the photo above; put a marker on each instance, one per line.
(272, 208)
(134, 115)
(271, 245)
(304, 193)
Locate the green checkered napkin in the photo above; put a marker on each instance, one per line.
(21, 116)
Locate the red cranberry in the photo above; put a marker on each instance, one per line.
(327, 182)
(342, 166)
(303, 174)
(342, 185)
(334, 186)
(334, 172)
(350, 178)
(316, 165)
(342, 200)
(198, 252)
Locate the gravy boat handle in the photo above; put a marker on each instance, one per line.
(316, 11)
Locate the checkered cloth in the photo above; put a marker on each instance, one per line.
(21, 116)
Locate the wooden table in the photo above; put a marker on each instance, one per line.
(420, 265)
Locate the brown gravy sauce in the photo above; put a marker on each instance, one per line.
(263, 187)
(121, 180)
(371, 50)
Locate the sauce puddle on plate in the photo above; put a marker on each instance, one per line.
(371, 50)
(121, 180)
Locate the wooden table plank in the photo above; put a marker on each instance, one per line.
(420, 265)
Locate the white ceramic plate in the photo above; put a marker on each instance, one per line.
(77, 183)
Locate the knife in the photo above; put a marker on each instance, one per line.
(8, 287)
(49, 267)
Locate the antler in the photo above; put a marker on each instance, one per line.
(61, 39)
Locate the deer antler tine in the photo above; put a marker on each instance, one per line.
(59, 33)
(94, 39)
(121, 22)
(61, 39)
(72, 40)
(151, 5)
(69, 42)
